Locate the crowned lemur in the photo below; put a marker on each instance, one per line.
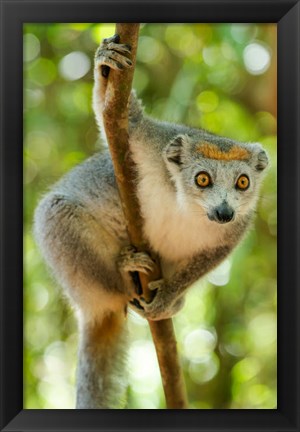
(197, 193)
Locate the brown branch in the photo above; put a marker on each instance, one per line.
(115, 118)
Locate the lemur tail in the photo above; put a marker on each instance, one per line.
(101, 382)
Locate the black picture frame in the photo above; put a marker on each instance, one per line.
(286, 13)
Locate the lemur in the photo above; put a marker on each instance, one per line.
(197, 193)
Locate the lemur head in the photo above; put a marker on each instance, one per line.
(216, 174)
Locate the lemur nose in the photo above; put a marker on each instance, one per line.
(224, 213)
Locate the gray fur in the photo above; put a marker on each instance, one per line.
(80, 228)
(101, 375)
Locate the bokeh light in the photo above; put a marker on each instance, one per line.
(256, 58)
(31, 48)
(74, 65)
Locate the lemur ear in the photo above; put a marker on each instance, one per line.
(173, 151)
(262, 161)
(260, 158)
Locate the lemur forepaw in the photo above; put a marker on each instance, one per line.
(132, 261)
(112, 54)
(160, 307)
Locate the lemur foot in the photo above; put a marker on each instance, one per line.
(132, 261)
(112, 54)
(160, 307)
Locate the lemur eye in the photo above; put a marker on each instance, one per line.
(203, 179)
(243, 182)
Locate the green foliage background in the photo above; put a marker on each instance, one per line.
(221, 77)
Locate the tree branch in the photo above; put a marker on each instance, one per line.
(115, 118)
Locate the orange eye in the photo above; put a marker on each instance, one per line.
(243, 182)
(203, 179)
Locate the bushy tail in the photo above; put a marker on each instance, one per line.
(101, 381)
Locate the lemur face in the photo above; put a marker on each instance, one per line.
(221, 179)
(230, 191)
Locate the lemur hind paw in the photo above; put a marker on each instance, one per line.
(112, 54)
(132, 261)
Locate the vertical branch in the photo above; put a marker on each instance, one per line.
(115, 118)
